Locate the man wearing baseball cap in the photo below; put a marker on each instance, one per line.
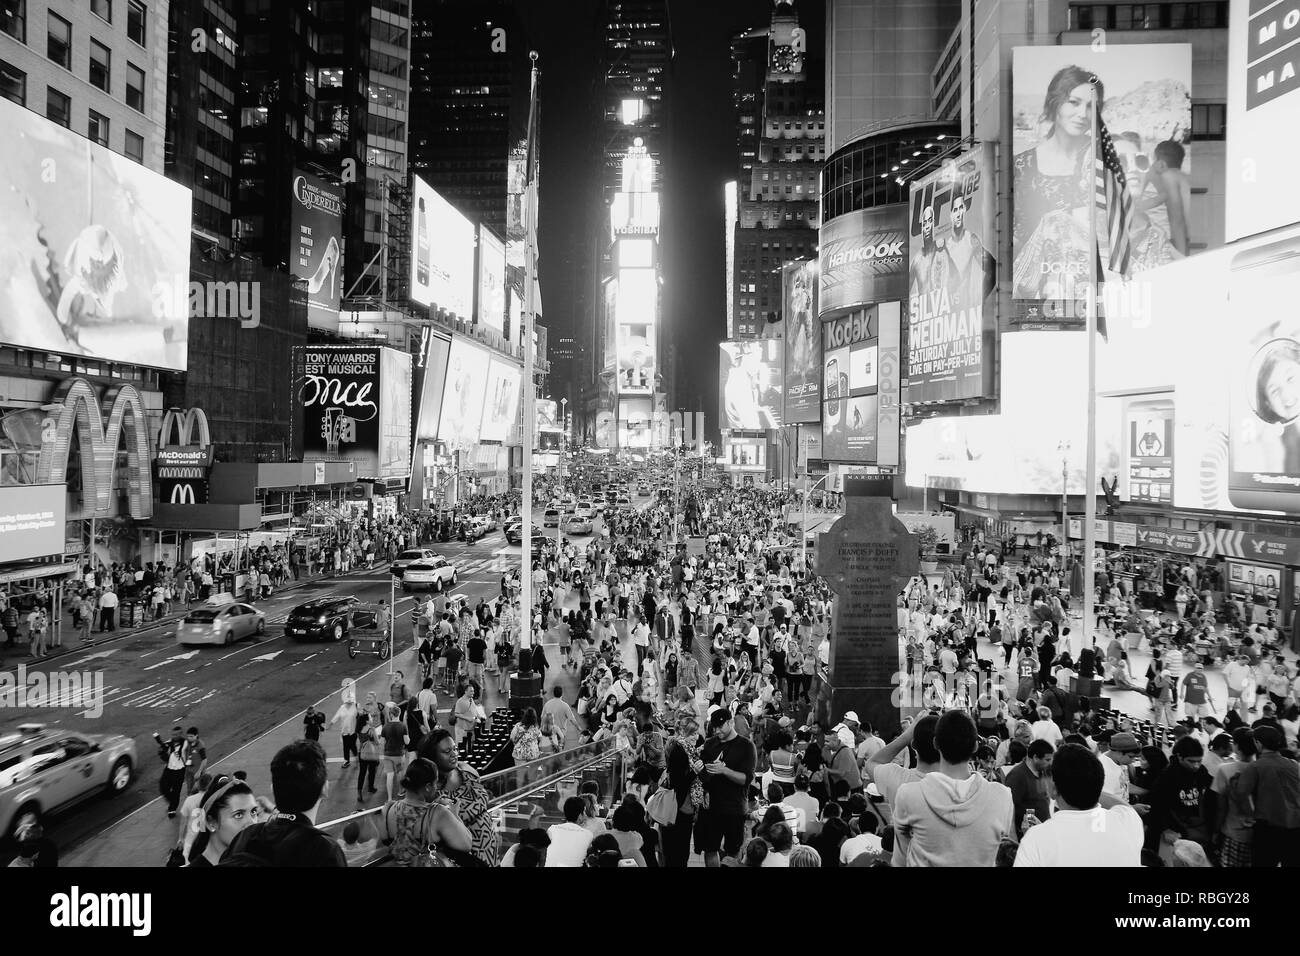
(1115, 761)
(847, 728)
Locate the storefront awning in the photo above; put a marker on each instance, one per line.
(32, 572)
(972, 510)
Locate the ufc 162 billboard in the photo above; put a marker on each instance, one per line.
(952, 281)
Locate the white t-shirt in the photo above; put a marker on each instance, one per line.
(1093, 837)
(854, 847)
(569, 843)
(1047, 730)
(1115, 781)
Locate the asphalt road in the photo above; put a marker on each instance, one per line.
(231, 693)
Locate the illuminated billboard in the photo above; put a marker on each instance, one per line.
(1263, 102)
(316, 246)
(634, 214)
(861, 377)
(463, 394)
(547, 412)
(747, 454)
(33, 521)
(353, 404)
(752, 374)
(94, 248)
(636, 360)
(430, 378)
(803, 353)
(862, 258)
(501, 403)
(394, 416)
(952, 281)
(1147, 108)
(442, 253)
(636, 302)
(490, 307)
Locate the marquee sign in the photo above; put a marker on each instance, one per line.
(100, 436)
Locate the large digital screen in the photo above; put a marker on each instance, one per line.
(1146, 103)
(463, 394)
(752, 376)
(338, 396)
(803, 352)
(1263, 103)
(862, 258)
(490, 309)
(1150, 441)
(952, 281)
(442, 253)
(395, 415)
(548, 416)
(33, 521)
(636, 360)
(861, 375)
(747, 454)
(501, 405)
(96, 248)
(316, 246)
(430, 379)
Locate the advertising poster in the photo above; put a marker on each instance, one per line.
(636, 360)
(490, 307)
(394, 415)
(1145, 91)
(33, 521)
(752, 377)
(1263, 102)
(463, 394)
(803, 354)
(747, 454)
(501, 404)
(95, 248)
(547, 415)
(861, 379)
(442, 253)
(430, 379)
(952, 280)
(810, 445)
(863, 258)
(316, 246)
(337, 404)
(1150, 440)
(1264, 378)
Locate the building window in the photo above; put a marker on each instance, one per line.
(135, 87)
(13, 83)
(58, 44)
(101, 66)
(58, 107)
(102, 9)
(13, 19)
(135, 19)
(135, 147)
(97, 128)
(1209, 120)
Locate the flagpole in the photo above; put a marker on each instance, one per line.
(530, 282)
(1086, 639)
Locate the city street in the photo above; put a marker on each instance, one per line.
(232, 694)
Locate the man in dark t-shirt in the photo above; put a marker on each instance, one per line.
(728, 769)
(476, 653)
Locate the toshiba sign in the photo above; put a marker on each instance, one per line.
(863, 258)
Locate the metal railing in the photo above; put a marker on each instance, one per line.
(506, 788)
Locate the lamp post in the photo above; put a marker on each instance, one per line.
(1064, 449)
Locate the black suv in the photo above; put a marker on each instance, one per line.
(326, 619)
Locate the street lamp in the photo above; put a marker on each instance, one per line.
(1063, 448)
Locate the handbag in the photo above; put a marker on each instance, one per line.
(662, 806)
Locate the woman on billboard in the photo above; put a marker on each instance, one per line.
(1276, 403)
(1050, 232)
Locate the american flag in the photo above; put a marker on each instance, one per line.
(1113, 195)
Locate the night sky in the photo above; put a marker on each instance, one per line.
(704, 155)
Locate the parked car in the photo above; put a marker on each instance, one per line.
(43, 770)
(407, 557)
(325, 619)
(221, 625)
(434, 573)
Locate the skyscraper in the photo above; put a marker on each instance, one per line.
(780, 130)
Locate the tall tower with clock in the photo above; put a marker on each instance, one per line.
(787, 45)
